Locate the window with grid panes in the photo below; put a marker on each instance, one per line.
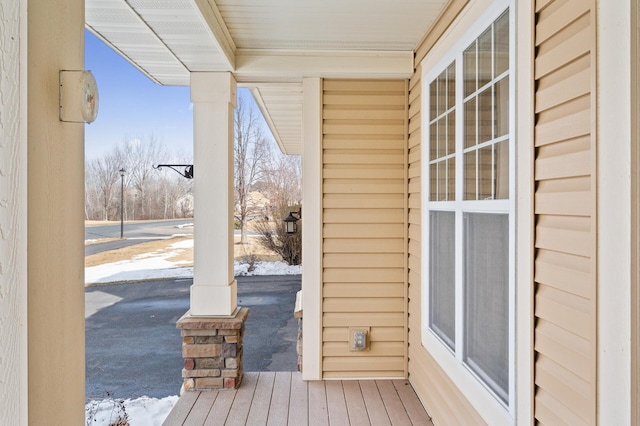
(469, 208)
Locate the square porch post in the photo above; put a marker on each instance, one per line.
(214, 289)
(213, 329)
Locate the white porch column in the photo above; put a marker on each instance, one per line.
(214, 289)
(616, 397)
(312, 229)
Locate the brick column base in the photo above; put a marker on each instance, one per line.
(212, 351)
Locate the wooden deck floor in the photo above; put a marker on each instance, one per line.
(285, 399)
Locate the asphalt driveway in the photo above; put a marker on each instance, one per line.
(134, 349)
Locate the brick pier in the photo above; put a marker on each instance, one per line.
(212, 351)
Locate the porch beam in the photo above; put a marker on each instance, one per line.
(214, 289)
(273, 65)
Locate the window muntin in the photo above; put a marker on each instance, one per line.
(442, 132)
(486, 113)
(480, 207)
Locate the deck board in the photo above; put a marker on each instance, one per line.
(259, 411)
(299, 402)
(183, 407)
(395, 410)
(279, 410)
(242, 402)
(373, 401)
(200, 411)
(336, 404)
(283, 398)
(411, 403)
(318, 414)
(355, 404)
(221, 407)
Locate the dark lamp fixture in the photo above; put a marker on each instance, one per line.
(291, 223)
(187, 173)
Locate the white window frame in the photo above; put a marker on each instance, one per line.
(489, 405)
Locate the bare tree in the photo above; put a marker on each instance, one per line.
(101, 183)
(140, 156)
(282, 179)
(148, 193)
(274, 237)
(250, 150)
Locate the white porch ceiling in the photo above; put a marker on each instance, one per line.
(269, 45)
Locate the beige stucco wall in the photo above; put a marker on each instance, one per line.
(55, 227)
(13, 213)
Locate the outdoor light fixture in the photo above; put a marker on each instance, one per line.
(188, 169)
(78, 96)
(291, 223)
(122, 172)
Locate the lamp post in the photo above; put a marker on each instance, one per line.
(122, 172)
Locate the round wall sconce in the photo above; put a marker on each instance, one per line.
(78, 96)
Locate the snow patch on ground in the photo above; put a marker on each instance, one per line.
(267, 268)
(157, 266)
(142, 411)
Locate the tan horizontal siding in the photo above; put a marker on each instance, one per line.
(564, 204)
(357, 319)
(364, 216)
(357, 201)
(367, 363)
(364, 226)
(363, 275)
(444, 402)
(372, 245)
(379, 334)
(381, 349)
(564, 347)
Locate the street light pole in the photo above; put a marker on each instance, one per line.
(122, 172)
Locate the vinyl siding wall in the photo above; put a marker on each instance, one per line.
(364, 226)
(565, 224)
(443, 400)
(565, 212)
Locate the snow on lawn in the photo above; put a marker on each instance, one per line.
(267, 268)
(142, 411)
(156, 265)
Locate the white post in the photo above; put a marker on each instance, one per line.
(312, 229)
(214, 289)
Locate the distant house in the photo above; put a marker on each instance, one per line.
(471, 191)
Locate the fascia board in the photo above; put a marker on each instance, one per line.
(255, 91)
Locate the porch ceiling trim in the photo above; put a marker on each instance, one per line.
(281, 107)
(215, 24)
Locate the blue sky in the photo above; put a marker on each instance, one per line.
(132, 107)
